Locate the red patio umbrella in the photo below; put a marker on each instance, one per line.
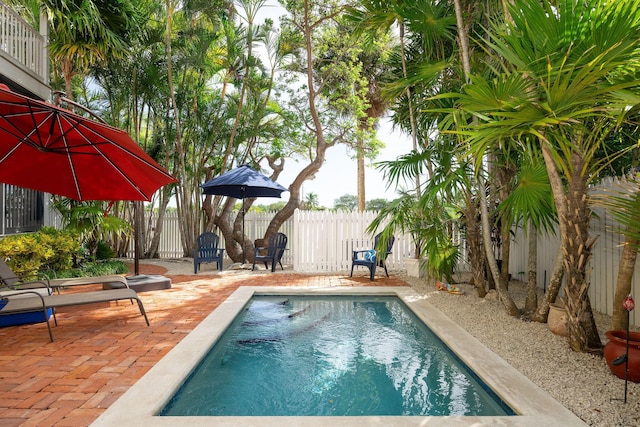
(50, 149)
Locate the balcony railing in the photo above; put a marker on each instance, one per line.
(22, 43)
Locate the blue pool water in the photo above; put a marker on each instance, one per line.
(328, 356)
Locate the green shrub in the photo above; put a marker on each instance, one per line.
(39, 254)
(24, 254)
(104, 251)
(101, 268)
(65, 245)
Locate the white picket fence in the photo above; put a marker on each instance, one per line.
(319, 242)
(322, 242)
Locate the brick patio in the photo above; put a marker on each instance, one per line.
(99, 352)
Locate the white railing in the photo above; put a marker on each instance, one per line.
(21, 42)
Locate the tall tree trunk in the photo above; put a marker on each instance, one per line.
(228, 230)
(474, 242)
(463, 39)
(531, 302)
(555, 283)
(186, 212)
(506, 174)
(620, 316)
(364, 126)
(503, 294)
(156, 229)
(321, 143)
(479, 261)
(574, 219)
(67, 73)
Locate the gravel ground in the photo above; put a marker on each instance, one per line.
(581, 382)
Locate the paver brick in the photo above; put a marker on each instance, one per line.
(99, 352)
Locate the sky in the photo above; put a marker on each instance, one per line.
(338, 175)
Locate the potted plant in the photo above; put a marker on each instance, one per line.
(622, 351)
(402, 216)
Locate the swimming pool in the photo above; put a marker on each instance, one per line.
(331, 356)
(142, 402)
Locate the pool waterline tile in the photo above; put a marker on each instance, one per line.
(140, 404)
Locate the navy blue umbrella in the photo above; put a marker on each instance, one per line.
(241, 183)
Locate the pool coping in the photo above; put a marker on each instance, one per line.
(148, 395)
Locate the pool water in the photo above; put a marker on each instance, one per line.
(331, 356)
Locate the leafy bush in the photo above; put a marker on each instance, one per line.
(25, 254)
(104, 251)
(101, 268)
(43, 253)
(65, 246)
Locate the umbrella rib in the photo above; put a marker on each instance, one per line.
(20, 134)
(38, 132)
(80, 130)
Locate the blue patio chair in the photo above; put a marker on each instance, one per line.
(207, 251)
(275, 249)
(371, 258)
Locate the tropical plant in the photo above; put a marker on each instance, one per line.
(44, 253)
(90, 222)
(566, 90)
(311, 202)
(530, 205)
(24, 254)
(88, 32)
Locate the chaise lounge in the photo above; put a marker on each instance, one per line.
(43, 295)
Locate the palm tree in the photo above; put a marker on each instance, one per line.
(88, 32)
(564, 89)
(375, 69)
(311, 202)
(530, 203)
(375, 17)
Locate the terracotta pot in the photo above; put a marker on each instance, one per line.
(617, 347)
(557, 319)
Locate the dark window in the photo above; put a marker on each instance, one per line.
(23, 209)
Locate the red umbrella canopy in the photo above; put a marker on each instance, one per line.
(50, 149)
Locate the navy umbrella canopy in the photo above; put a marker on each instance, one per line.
(241, 183)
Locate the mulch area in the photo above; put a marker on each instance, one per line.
(101, 350)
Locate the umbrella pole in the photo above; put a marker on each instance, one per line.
(136, 238)
(244, 255)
